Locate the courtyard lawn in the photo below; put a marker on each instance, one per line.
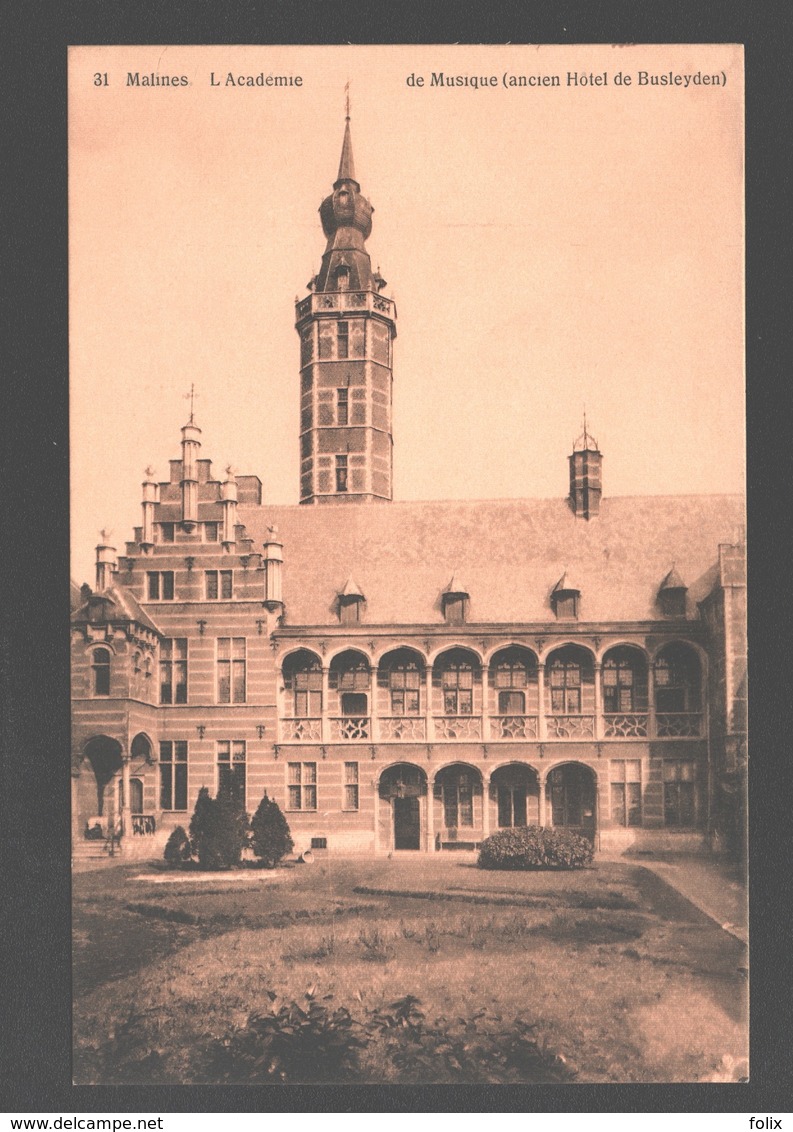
(618, 977)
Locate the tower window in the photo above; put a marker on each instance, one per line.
(173, 670)
(342, 340)
(341, 473)
(159, 585)
(342, 406)
(101, 670)
(211, 532)
(173, 775)
(343, 279)
(218, 584)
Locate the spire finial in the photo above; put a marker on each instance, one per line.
(347, 100)
(191, 396)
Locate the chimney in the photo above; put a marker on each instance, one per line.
(105, 563)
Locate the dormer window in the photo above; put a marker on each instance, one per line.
(672, 595)
(351, 604)
(343, 279)
(565, 599)
(454, 603)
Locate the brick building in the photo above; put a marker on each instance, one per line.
(407, 676)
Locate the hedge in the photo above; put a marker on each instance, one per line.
(533, 847)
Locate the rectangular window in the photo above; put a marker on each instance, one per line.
(350, 786)
(167, 532)
(173, 775)
(458, 804)
(218, 584)
(342, 406)
(302, 786)
(173, 670)
(159, 585)
(231, 670)
(626, 792)
(231, 769)
(405, 686)
(211, 532)
(680, 804)
(342, 340)
(341, 473)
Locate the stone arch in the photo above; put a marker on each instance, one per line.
(457, 693)
(402, 801)
(678, 688)
(458, 802)
(570, 692)
(142, 748)
(514, 795)
(625, 683)
(349, 689)
(105, 756)
(512, 693)
(401, 694)
(571, 794)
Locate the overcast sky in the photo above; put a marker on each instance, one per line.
(547, 247)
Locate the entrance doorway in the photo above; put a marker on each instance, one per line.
(571, 798)
(407, 823)
(516, 791)
(401, 810)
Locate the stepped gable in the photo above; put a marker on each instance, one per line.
(510, 552)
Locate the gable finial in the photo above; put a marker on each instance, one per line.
(347, 100)
(191, 396)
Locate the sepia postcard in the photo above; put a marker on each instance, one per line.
(408, 619)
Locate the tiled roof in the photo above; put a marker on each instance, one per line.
(120, 605)
(510, 552)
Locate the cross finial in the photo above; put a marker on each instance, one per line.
(149, 470)
(191, 396)
(105, 534)
(347, 99)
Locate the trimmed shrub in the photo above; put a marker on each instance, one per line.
(270, 836)
(218, 830)
(532, 847)
(177, 847)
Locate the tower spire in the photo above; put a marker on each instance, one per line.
(346, 163)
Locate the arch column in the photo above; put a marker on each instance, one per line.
(542, 730)
(324, 725)
(652, 731)
(542, 815)
(126, 809)
(430, 813)
(430, 722)
(485, 805)
(597, 668)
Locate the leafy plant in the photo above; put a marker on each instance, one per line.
(289, 1042)
(533, 847)
(270, 836)
(177, 847)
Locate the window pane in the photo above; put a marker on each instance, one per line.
(211, 584)
(224, 682)
(310, 797)
(618, 803)
(180, 678)
(225, 578)
(573, 701)
(239, 647)
(224, 648)
(294, 797)
(634, 803)
(239, 681)
(294, 773)
(166, 749)
(466, 702)
(167, 585)
(153, 581)
(450, 807)
(238, 750)
(466, 806)
(102, 680)
(687, 804)
(309, 772)
(180, 786)
(351, 797)
(166, 779)
(180, 750)
(351, 772)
